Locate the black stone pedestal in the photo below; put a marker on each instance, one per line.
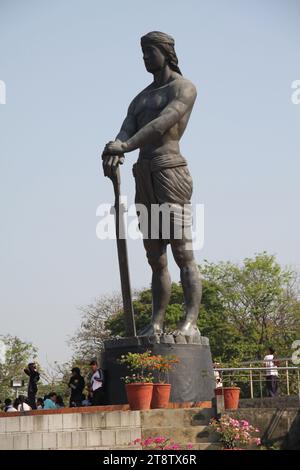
(192, 378)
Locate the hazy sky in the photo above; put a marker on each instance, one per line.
(71, 68)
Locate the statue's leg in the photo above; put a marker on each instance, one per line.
(161, 284)
(191, 284)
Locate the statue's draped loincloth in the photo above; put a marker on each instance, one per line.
(163, 180)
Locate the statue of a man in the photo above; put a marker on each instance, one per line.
(155, 122)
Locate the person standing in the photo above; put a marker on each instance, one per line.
(97, 384)
(34, 377)
(76, 384)
(271, 373)
(218, 378)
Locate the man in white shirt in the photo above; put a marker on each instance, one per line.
(218, 379)
(97, 383)
(271, 373)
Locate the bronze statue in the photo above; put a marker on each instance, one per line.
(155, 122)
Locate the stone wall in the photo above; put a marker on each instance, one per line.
(95, 429)
(110, 430)
(280, 427)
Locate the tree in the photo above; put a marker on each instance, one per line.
(142, 307)
(16, 354)
(89, 337)
(260, 302)
(213, 323)
(244, 309)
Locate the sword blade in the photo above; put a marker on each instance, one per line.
(123, 257)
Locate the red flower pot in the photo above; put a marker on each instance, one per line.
(139, 395)
(161, 395)
(231, 396)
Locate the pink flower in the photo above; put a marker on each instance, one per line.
(234, 423)
(159, 440)
(147, 441)
(189, 446)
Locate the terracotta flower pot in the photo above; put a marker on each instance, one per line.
(139, 395)
(231, 396)
(161, 395)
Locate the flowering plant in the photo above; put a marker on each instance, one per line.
(162, 365)
(160, 443)
(137, 378)
(141, 364)
(235, 433)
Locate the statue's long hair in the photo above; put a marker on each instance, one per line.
(169, 51)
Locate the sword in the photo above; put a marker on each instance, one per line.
(119, 211)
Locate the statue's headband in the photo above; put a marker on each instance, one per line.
(158, 38)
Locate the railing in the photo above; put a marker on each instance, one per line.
(254, 377)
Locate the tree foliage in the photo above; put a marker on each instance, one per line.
(260, 302)
(88, 339)
(16, 354)
(245, 308)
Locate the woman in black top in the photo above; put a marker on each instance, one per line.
(77, 384)
(34, 377)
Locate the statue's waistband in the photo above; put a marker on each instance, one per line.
(162, 161)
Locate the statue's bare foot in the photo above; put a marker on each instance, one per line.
(151, 330)
(187, 328)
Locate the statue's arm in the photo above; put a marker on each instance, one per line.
(112, 159)
(180, 104)
(129, 126)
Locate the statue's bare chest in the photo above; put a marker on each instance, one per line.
(150, 105)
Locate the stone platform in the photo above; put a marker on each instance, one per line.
(103, 430)
(192, 379)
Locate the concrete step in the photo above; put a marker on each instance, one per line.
(207, 446)
(179, 417)
(182, 435)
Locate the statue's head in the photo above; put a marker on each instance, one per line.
(158, 51)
